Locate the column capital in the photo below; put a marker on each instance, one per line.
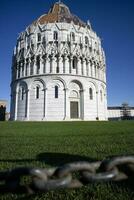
(66, 89)
(44, 89)
(81, 90)
(65, 57)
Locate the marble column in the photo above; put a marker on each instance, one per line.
(45, 104)
(66, 104)
(47, 62)
(27, 105)
(70, 64)
(16, 104)
(97, 105)
(84, 67)
(41, 65)
(60, 64)
(79, 66)
(66, 64)
(87, 67)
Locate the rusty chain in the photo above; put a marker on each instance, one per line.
(42, 180)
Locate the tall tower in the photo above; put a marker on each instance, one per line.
(58, 70)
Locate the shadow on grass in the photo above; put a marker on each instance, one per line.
(56, 159)
(52, 159)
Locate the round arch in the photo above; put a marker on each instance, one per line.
(21, 84)
(58, 79)
(37, 80)
(95, 85)
(77, 82)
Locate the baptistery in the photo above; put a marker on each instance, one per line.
(58, 70)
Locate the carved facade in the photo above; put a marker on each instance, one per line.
(58, 70)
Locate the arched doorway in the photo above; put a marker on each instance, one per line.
(74, 105)
(76, 100)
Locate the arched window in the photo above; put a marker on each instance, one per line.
(31, 68)
(86, 40)
(37, 95)
(38, 64)
(39, 37)
(19, 72)
(55, 36)
(22, 93)
(56, 91)
(31, 65)
(74, 62)
(57, 69)
(26, 72)
(72, 36)
(101, 97)
(90, 93)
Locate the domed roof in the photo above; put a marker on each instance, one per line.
(59, 12)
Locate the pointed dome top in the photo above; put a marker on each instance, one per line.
(59, 12)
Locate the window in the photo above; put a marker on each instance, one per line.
(90, 94)
(101, 97)
(38, 64)
(22, 94)
(37, 92)
(26, 72)
(31, 68)
(56, 91)
(74, 62)
(22, 70)
(57, 69)
(86, 40)
(72, 36)
(39, 37)
(55, 35)
(19, 72)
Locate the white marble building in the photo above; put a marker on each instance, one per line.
(58, 70)
(120, 113)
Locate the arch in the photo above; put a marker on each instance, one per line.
(59, 79)
(102, 91)
(74, 94)
(75, 99)
(77, 82)
(21, 99)
(55, 99)
(21, 84)
(37, 80)
(37, 99)
(102, 86)
(95, 85)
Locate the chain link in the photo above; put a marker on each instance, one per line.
(71, 175)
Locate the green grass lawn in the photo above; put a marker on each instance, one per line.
(48, 144)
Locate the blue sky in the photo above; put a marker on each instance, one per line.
(112, 20)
